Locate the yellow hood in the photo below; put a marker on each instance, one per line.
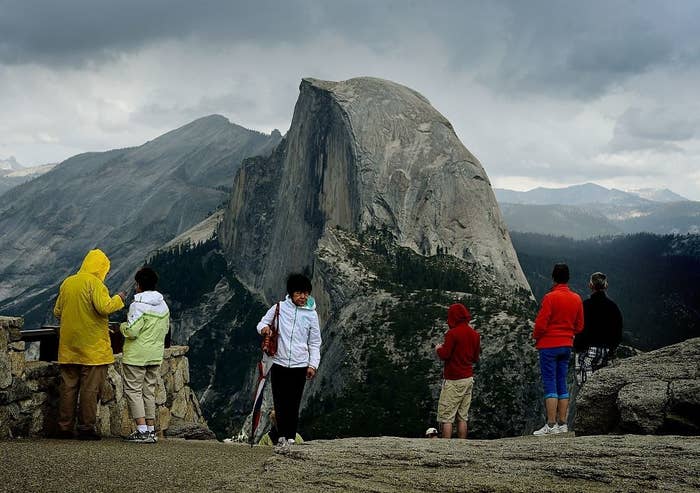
(84, 305)
(96, 263)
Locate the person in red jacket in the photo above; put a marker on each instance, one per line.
(459, 352)
(559, 319)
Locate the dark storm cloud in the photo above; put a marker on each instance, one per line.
(158, 115)
(75, 31)
(542, 89)
(660, 128)
(573, 48)
(582, 49)
(78, 31)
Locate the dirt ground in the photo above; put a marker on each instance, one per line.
(383, 464)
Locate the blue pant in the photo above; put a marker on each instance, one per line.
(554, 365)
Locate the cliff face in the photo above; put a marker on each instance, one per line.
(361, 154)
(373, 195)
(127, 202)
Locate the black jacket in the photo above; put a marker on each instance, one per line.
(602, 323)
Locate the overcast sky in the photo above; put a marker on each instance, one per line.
(543, 93)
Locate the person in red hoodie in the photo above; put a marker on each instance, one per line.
(460, 351)
(559, 319)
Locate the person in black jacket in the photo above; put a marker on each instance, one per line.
(602, 330)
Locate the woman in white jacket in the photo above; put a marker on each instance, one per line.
(298, 352)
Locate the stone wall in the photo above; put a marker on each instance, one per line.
(29, 394)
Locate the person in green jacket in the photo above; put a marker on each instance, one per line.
(147, 325)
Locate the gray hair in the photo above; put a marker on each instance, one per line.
(599, 281)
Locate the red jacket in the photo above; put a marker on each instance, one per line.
(462, 344)
(559, 319)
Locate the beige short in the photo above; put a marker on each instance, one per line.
(455, 399)
(140, 389)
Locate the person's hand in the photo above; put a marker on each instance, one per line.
(310, 372)
(122, 295)
(437, 348)
(265, 331)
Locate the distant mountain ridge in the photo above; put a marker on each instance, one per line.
(13, 173)
(9, 164)
(589, 210)
(587, 193)
(128, 202)
(658, 194)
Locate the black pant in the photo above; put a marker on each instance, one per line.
(287, 387)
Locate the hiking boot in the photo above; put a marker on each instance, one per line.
(138, 437)
(88, 435)
(546, 430)
(562, 428)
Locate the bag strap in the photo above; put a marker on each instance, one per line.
(275, 319)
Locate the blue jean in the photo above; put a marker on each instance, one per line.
(554, 365)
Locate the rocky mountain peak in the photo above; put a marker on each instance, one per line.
(9, 164)
(161, 189)
(373, 195)
(362, 154)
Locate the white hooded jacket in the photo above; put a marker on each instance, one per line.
(299, 341)
(147, 325)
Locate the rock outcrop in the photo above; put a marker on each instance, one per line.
(372, 194)
(29, 394)
(361, 154)
(633, 463)
(128, 202)
(519, 464)
(653, 393)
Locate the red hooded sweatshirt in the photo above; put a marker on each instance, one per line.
(559, 319)
(462, 344)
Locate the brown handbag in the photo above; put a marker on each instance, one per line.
(269, 342)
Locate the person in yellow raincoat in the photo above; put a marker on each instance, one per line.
(84, 349)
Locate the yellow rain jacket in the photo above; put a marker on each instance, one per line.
(83, 306)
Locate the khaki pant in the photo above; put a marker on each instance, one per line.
(79, 382)
(140, 390)
(455, 400)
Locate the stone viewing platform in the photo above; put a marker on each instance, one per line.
(29, 394)
(565, 462)
(626, 463)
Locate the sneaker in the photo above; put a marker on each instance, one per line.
(153, 436)
(546, 430)
(282, 445)
(562, 428)
(290, 442)
(138, 437)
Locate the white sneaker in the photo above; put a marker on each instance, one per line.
(546, 430)
(282, 444)
(561, 428)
